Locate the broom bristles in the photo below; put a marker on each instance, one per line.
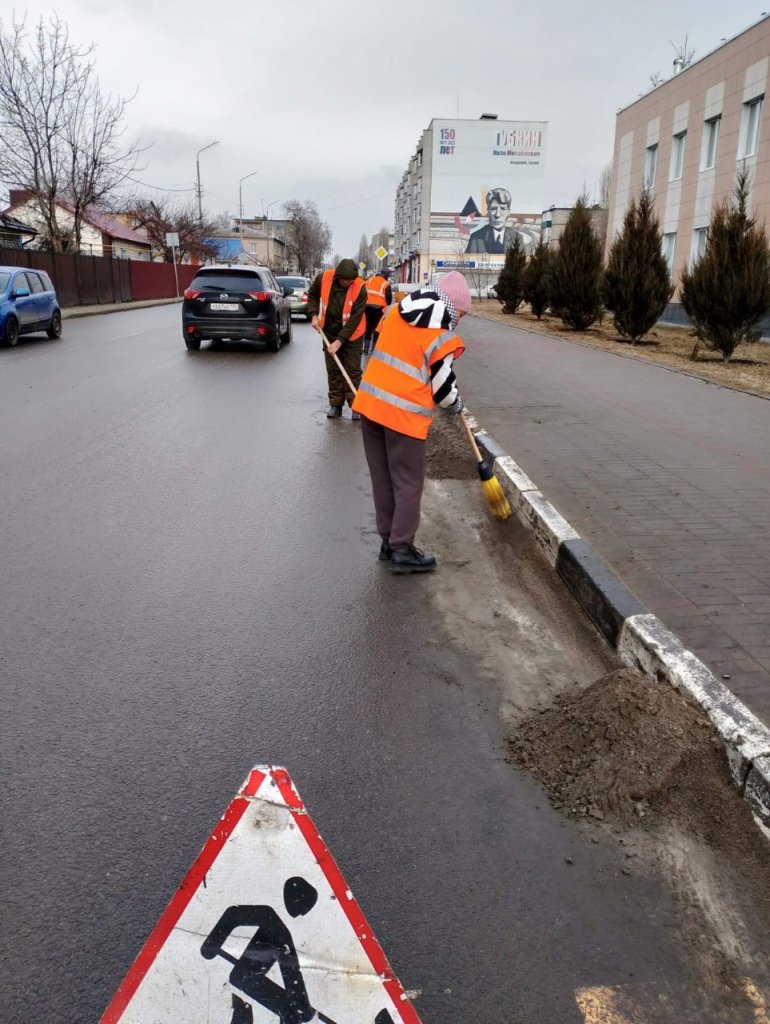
(495, 495)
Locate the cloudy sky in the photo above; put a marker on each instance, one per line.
(326, 100)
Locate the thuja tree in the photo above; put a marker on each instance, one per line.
(577, 275)
(510, 283)
(726, 292)
(638, 284)
(537, 279)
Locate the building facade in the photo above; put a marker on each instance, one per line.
(470, 186)
(687, 139)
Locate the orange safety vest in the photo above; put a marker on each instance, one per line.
(395, 390)
(375, 291)
(353, 292)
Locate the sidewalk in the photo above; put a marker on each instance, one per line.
(112, 307)
(667, 476)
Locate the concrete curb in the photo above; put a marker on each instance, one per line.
(78, 311)
(641, 640)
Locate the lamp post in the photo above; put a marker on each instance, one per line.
(266, 218)
(198, 166)
(240, 203)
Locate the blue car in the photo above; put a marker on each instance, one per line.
(28, 303)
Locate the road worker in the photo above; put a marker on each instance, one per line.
(336, 303)
(410, 372)
(379, 294)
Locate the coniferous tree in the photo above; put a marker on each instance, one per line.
(510, 283)
(726, 292)
(537, 279)
(577, 276)
(638, 282)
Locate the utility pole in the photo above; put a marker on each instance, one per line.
(240, 203)
(198, 167)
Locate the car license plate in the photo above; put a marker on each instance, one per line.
(225, 307)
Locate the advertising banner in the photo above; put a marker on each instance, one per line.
(487, 186)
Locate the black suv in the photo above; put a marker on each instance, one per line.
(236, 302)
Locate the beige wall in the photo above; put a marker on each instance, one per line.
(718, 84)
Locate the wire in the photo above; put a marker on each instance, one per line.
(159, 188)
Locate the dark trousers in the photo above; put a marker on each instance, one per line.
(350, 357)
(373, 316)
(397, 468)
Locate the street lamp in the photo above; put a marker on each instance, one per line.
(198, 166)
(240, 202)
(266, 219)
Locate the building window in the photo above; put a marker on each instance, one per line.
(650, 165)
(677, 156)
(699, 237)
(749, 136)
(669, 246)
(253, 248)
(708, 153)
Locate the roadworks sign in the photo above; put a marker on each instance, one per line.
(263, 929)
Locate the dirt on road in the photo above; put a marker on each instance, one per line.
(635, 758)
(449, 454)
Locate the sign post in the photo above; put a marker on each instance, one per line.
(172, 239)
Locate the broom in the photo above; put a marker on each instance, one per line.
(342, 369)
(493, 492)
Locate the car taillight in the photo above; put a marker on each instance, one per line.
(192, 293)
(261, 296)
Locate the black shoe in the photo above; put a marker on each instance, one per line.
(411, 559)
(386, 551)
(355, 415)
(334, 413)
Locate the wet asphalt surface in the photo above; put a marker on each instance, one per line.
(190, 587)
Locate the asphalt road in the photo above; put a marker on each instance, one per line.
(190, 587)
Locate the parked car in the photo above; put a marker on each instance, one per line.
(28, 304)
(299, 286)
(235, 302)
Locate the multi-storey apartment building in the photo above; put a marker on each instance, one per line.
(687, 138)
(470, 186)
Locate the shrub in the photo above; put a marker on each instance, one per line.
(577, 277)
(638, 284)
(537, 279)
(726, 292)
(510, 283)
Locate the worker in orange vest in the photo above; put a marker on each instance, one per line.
(379, 294)
(336, 303)
(409, 374)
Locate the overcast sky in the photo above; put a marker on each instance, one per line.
(326, 100)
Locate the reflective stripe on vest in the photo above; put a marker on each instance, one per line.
(400, 403)
(352, 294)
(375, 291)
(422, 375)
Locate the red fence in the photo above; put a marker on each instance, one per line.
(156, 280)
(96, 280)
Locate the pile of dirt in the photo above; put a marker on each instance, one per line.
(449, 455)
(632, 751)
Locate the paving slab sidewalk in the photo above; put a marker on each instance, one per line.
(113, 307)
(667, 476)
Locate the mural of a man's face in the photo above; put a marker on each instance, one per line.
(498, 214)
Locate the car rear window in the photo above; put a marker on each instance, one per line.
(230, 280)
(293, 282)
(4, 279)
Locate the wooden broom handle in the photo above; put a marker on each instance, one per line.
(343, 371)
(471, 438)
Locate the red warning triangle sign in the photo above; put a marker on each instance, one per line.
(263, 929)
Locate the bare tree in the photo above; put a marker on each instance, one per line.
(363, 254)
(603, 203)
(159, 217)
(60, 135)
(308, 238)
